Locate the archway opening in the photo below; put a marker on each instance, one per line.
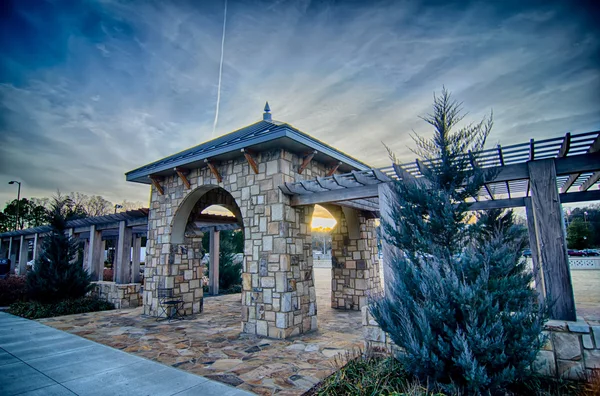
(322, 225)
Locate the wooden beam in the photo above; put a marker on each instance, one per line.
(583, 196)
(248, 154)
(590, 181)
(531, 150)
(474, 164)
(565, 146)
(214, 170)
(156, 183)
(306, 161)
(182, 172)
(334, 169)
(552, 245)
(343, 194)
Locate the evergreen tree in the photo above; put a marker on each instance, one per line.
(58, 274)
(579, 234)
(459, 302)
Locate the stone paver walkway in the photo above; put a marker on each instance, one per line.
(39, 360)
(211, 344)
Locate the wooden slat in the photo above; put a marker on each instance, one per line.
(348, 183)
(334, 169)
(501, 161)
(328, 183)
(531, 150)
(214, 170)
(182, 172)
(363, 179)
(156, 183)
(474, 164)
(306, 161)
(248, 155)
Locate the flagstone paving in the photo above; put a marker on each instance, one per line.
(211, 345)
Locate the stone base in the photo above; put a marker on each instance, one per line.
(122, 295)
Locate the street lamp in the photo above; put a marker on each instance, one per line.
(585, 216)
(18, 200)
(117, 206)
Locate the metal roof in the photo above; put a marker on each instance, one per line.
(259, 136)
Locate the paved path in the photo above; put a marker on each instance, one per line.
(38, 360)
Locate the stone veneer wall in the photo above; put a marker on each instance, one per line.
(573, 348)
(122, 295)
(354, 263)
(278, 296)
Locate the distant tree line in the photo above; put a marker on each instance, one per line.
(583, 227)
(33, 212)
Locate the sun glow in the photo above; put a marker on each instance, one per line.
(322, 222)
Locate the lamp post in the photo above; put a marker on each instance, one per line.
(18, 200)
(117, 206)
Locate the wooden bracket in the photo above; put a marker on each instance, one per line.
(332, 170)
(156, 183)
(565, 146)
(214, 170)
(306, 161)
(248, 154)
(182, 172)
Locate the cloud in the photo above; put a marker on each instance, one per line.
(114, 85)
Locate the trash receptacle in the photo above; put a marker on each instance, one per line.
(4, 268)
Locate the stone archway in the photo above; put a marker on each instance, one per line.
(177, 249)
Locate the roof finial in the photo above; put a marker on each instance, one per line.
(267, 114)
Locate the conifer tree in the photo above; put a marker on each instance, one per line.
(459, 302)
(58, 273)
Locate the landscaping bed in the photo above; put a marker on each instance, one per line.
(379, 374)
(38, 310)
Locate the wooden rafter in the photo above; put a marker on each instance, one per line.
(306, 161)
(248, 154)
(565, 146)
(335, 168)
(593, 179)
(595, 147)
(214, 170)
(531, 150)
(156, 183)
(182, 173)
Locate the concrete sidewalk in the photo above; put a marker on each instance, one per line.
(38, 360)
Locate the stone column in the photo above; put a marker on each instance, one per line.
(9, 256)
(135, 258)
(551, 240)
(86, 249)
(95, 256)
(123, 264)
(213, 269)
(35, 247)
(23, 250)
(355, 264)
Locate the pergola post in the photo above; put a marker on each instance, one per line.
(213, 270)
(95, 256)
(535, 252)
(23, 250)
(551, 241)
(35, 247)
(135, 259)
(123, 254)
(386, 198)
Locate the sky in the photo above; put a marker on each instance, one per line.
(92, 89)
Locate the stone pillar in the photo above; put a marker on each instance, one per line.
(86, 249)
(35, 247)
(23, 250)
(213, 269)
(355, 264)
(9, 255)
(551, 239)
(95, 256)
(123, 264)
(135, 258)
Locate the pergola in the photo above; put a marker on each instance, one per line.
(538, 175)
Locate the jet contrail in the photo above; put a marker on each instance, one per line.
(220, 71)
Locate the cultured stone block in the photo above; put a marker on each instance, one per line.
(596, 333)
(592, 358)
(578, 327)
(587, 342)
(544, 363)
(570, 369)
(567, 346)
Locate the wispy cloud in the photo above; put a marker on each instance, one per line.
(115, 85)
